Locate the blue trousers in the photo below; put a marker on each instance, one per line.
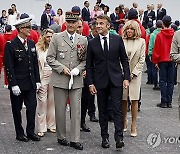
(166, 81)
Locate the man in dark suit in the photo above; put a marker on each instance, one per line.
(22, 71)
(46, 19)
(91, 103)
(86, 12)
(161, 12)
(115, 19)
(106, 77)
(149, 17)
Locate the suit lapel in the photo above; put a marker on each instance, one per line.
(99, 46)
(20, 44)
(76, 41)
(110, 43)
(66, 39)
(135, 47)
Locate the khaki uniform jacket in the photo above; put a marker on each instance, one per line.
(175, 52)
(63, 53)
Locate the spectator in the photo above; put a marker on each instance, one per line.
(77, 10)
(149, 16)
(3, 21)
(96, 12)
(47, 5)
(55, 26)
(100, 4)
(35, 28)
(175, 56)
(106, 11)
(7, 37)
(86, 12)
(115, 19)
(15, 11)
(60, 16)
(133, 15)
(11, 18)
(121, 14)
(46, 19)
(161, 59)
(161, 12)
(150, 52)
(177, 24)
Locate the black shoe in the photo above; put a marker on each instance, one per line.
(156, 88)
(34, 137)
(93, 119)
(22, 138)
(148, 82)
(76, 145)
(110, 118)
(162, 105)
(169, 105)
(85, 128)
(105, 143)
(63, 142)
(119, 143)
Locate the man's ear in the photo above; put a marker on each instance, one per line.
(108, 25)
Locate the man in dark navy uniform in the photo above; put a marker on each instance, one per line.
(21, 66)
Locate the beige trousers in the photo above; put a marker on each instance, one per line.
(45, 112)
(60, 97)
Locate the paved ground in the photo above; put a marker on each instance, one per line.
(158, 131)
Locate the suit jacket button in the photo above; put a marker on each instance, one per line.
(30, 74)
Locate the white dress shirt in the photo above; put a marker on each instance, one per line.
(102, 40)
(69, 35)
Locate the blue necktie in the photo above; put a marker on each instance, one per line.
(71, 38)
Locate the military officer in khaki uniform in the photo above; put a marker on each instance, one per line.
(66, 56)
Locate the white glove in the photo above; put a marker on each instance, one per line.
(38, 85)
(74, 71)
(71, 82)
(16, 90)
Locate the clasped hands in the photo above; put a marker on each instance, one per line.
(73, 72)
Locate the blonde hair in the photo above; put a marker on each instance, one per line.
(132, 24)
(42, 42)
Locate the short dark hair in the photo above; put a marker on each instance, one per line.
(117, 9)
(10, 11)
(3, 11)
(85, 2)
(13, 5)
(61, 10)
(104, 17)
